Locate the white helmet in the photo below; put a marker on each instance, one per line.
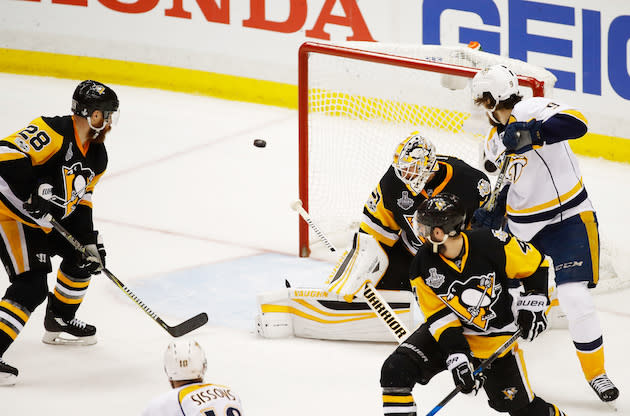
(498, 80)
(414, 161)
(184, 360)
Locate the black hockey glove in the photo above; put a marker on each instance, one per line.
(519, 137)
(531, 318)
(38, 204)
(494, 217)
(93, 261)
(463, 373)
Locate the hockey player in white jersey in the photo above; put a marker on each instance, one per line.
(185, 366)
(547, 202)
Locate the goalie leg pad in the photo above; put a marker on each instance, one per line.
(315, 313)
(364, 261)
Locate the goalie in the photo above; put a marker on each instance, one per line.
(382, 249)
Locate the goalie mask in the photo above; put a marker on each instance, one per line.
(184, 360)
(442, 211)
(499, 81)
(415, 161)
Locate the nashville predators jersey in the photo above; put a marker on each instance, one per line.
(389, 212)
(546, 181)
(196, 399)
(49, 150)
(470, 294)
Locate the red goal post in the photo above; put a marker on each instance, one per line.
(379, 93)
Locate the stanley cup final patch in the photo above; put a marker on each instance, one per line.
(404, 201)
(484, 188)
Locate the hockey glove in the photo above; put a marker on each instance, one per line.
(463, 373)
(38, 204)
(519, 137)
(93, 261)
(492, 218)
(531, 308)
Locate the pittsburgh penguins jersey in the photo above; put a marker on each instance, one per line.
(546, 181)
(470, 295)
(196, 399)
(389, 212)
(49, 150)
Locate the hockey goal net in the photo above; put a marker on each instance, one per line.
(358, 100)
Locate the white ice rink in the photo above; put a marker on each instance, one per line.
(197, 219)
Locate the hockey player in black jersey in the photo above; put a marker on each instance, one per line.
(51, 167)
(460, 279)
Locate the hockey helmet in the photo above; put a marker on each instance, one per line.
(184, 360)
(414, 161)
(442, 211)
(497, 80)
(92, 95)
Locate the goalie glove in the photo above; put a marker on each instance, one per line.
(366, 261)
(519, 137)
(531, 308)
(463, 373)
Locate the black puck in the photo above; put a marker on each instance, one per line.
(260, 143)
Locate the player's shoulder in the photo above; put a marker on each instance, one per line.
(42, 137)
(488, 237)
(540, 108)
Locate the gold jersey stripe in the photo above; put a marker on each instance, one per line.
(11, 230)
(577, 188)
(398, 399)
(65, 279)
(593, 241)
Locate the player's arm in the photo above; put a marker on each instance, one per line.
(378, 220)
(564, 125)
(524, 262)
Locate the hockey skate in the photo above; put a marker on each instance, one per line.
(67, 332)
(604, 388)
(8, 374)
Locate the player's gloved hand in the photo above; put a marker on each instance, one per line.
(520, 136)
(38, 204)
(492, 218)
(93, 261)
(531, 308)
(459, 365)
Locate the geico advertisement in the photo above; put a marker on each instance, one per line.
(584, 43)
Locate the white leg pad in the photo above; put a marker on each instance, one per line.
(315, 313)
(577, 303)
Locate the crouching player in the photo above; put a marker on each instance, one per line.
(460, 279)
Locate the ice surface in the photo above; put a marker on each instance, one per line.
(195, 218)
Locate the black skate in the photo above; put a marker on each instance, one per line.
(604, 388)
(57, 328)
(8, 374)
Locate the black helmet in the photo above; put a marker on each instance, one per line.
(92, 95)
(443, 211)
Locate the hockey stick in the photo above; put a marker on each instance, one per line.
(374, 299)
(175, 331)
(499, 183)
(485, 364)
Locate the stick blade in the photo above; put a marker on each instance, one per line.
(190, 325)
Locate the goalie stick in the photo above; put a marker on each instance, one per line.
(175, 331)
(374, 299)
(484, 364)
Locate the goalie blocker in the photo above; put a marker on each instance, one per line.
(340, 310)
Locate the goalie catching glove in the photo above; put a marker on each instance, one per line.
(366, 261)
(532, 319)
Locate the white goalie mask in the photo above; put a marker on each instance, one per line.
(184, 360)
(414, 161)
(497, 80)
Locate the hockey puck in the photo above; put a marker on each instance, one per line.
(260, 143)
